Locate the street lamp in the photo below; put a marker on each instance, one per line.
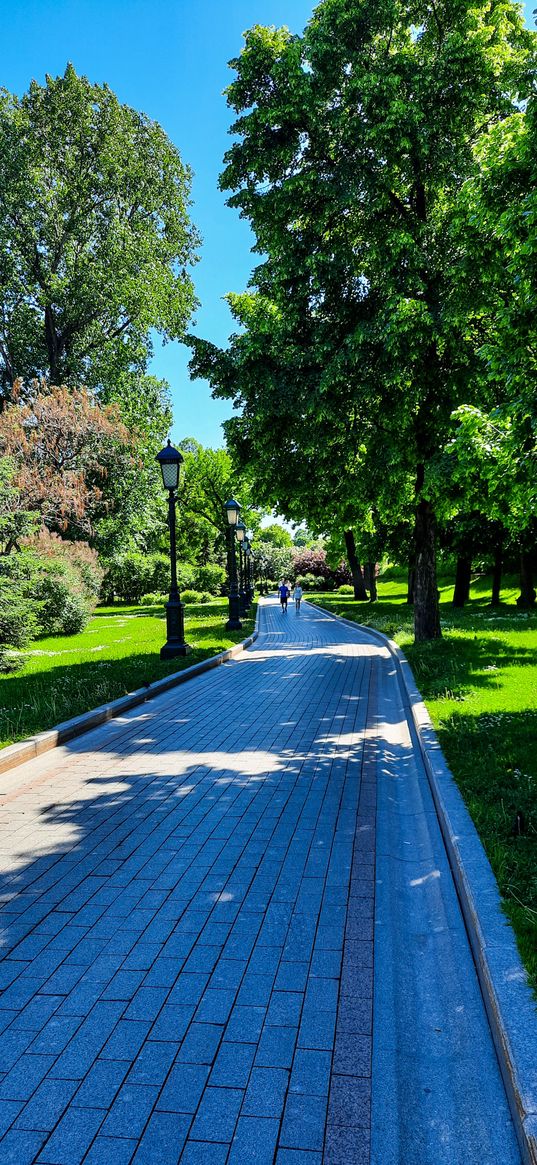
(170, 460)
(241, 535)
(247, 572)
(249, 565)
(233, 510)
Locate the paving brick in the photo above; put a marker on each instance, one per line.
(276, 1047)
(55, 1035)
(101, 1084)
(24, 1077)
(183, 1088)
(12, 1045)
(303, 1122)
(126, 1040)
(347, 1144)
(72, 1137)
(300, 1157)
(200, 1043)
(203, 1153)
(85, 1046)
(232, 1065)
(163, 1139)
(48, 1103)
(317, 1030)
(153, 1062)
(217, 1114)
(130, 1111)
(9, 1111)
(20, 1148)
(266, 1091)
(111, 1151)
(350, 1101)
(254, 1141)
(172, 1022)
(291, 977)
(311, 1072)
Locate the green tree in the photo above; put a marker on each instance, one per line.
(355, 142)
(275, 534)
(95, 238)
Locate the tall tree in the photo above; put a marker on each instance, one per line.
(355, 143)
(95, 237)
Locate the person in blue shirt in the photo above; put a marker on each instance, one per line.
(283, 591)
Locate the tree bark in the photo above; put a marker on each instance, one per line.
(360, 592)
(526, 597)
(426, 610)
(463, 576)
(370, 580)
(411, 584)
(496, 577)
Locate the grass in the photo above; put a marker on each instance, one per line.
(116, 653)
(479, 683)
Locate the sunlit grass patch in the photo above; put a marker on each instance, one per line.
(117, 652)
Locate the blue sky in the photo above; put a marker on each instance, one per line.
(169, 59)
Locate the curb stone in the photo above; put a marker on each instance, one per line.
(510, 1005)
(24, 750)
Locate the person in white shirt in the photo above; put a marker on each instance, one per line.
(297, 595)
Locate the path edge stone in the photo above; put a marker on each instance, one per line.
(509, 1001)
(24, 750)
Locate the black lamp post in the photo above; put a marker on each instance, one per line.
(233, 510)
(249, 565)
(170, 460)
(241, 535)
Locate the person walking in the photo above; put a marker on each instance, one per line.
(283, 591)
(297, 595)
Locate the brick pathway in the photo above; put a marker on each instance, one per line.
(188, 921)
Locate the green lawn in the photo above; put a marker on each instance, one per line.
(480, 685)
(117, 652)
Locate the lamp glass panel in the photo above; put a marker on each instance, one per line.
(170, 474)
(232, 511)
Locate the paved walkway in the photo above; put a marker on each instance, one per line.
(188, 918)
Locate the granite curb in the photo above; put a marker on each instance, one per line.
(25, 750)
(509, 1002)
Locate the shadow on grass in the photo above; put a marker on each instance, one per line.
(37, 701)
(493, 757)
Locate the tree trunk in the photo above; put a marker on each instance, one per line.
(370, 580)
(411, 585)
(463, 576)
(360, 592)
(526, 597)
(497, 577)
(426, 610)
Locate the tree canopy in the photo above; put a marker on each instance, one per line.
(95, 237)
(355, 145)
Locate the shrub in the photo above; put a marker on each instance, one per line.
(18, 615)
(345, 589)
(129, 576)
(83, 559)
(190, 596)
(307, 582)
(206, 597)
(209, 577)
(74, 615)
(63, 609)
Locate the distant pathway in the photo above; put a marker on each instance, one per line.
(188, 918)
